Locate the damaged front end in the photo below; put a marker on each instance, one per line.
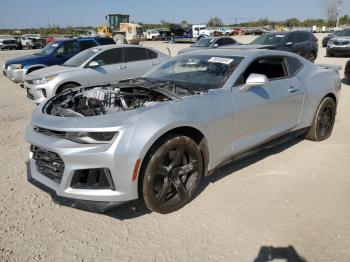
(102, 100)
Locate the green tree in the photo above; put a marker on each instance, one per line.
(215, 22)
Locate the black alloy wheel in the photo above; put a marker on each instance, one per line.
(172, 175)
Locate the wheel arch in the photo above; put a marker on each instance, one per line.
(331, 95)
(186, 130)
(58, 89)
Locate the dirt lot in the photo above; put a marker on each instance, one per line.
(295, 196)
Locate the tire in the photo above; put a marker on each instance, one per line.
(330, 54)
(65, 87)
(172, 173)
(323, 121)
(120, 39)
(312, 56)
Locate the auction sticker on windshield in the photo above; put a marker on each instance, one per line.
(221, 60)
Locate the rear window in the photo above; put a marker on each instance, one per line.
(294, 65)
(105, 41)
(86, 44)
(152, 54)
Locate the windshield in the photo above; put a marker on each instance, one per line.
(343, 33)
(270, 39)
(204, 42)
(34, 36)
(49, 49)
(82, 57)
(202, 72)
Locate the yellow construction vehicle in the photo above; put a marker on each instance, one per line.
(121, 30)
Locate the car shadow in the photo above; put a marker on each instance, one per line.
(241, 163)
(269, 253)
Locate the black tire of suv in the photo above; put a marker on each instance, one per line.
(323, 121)
(172, 188)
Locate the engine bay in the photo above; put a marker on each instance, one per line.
(102, 100)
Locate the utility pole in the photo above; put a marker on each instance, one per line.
(340, 2)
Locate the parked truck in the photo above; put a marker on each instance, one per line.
(32, 41)
(190, 33)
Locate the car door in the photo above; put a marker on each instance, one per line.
(139, 60)
(265, 112)
(111, 67)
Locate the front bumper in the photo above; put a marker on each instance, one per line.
(338, 50)
(16, 75)
(86, 205)
(84, 156)
(8, 46)
(37, 93)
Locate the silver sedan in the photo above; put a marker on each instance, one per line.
(97, 65)
(154, 138)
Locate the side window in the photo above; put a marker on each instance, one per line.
(219, 42)
(294, 65)
(68, 48)
(105, 41)
(86, 44)
(135, 54)
(229, 41)
(109, 57)
(152, 54)
(305, 37)
(272, 67)
(293, 38)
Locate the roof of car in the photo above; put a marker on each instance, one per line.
(106, 47)
(239, 52)
(78, 38)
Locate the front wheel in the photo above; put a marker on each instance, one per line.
(172, 174)
(323, 122)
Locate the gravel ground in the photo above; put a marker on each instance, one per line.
(294, 198)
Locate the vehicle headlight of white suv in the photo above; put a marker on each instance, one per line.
(43, 80)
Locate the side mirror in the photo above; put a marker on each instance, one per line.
(215, 45)
(289, 44)
(254, 80)
(93, 64)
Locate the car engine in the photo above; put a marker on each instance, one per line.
(105, 100)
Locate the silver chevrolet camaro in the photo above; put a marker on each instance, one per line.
(97, 65)
(154, 138)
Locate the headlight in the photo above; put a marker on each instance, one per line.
(91, 137)
(16, 66)
(43, 80)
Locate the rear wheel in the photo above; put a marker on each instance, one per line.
(323, 122)
(312, 56)
(172, 174)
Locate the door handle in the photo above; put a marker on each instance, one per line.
(154, 63)
(122, 67)
(293, 89)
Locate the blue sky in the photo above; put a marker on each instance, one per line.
(35, 13)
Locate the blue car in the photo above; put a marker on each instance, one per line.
(55, 53)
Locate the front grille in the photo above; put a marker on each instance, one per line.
(338, 42)
(9, 42)
(48, 163)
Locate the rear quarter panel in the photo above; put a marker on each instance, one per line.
(318, 83)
